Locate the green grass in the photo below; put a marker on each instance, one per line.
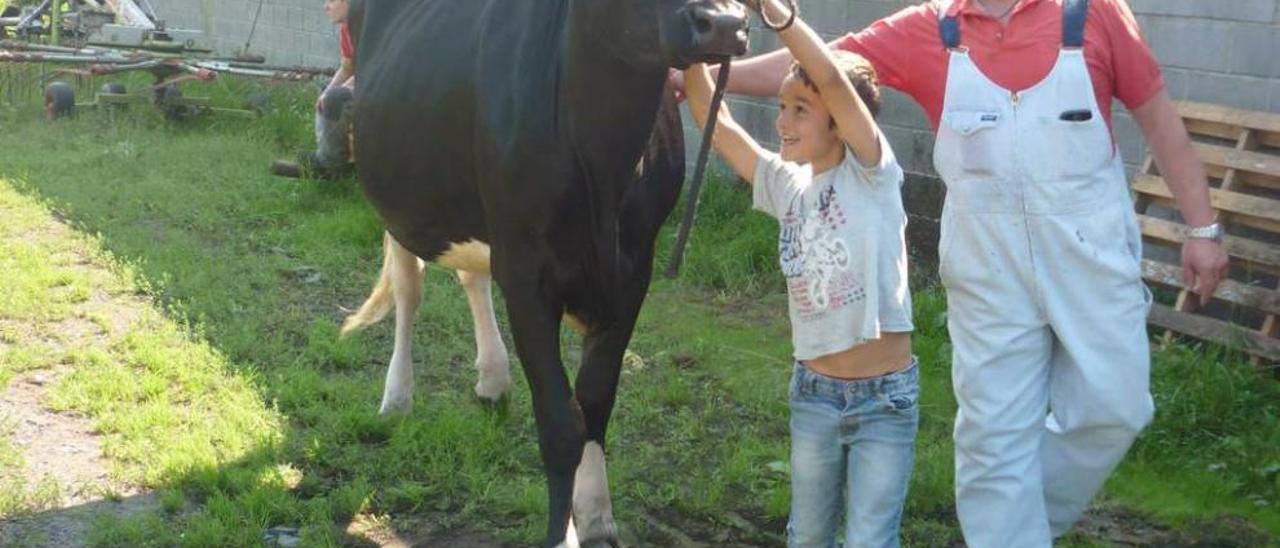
(231, 395)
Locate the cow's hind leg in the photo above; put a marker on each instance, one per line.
(492, 361)
(407, 272)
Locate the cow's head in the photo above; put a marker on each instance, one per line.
(694, 31)
(656, 34)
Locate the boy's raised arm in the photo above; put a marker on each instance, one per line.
(730, 140)
(853, 120)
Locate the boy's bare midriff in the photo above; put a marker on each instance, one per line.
(891, 352)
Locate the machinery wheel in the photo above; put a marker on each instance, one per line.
(165, 98)
(259, 102)
(59, 100)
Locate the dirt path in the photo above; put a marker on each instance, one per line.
(61, 452)
(63, 482)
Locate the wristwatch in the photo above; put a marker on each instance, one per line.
(1210, 232)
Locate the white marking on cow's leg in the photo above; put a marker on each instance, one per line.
(492, 361)
(406, 281)
(592, 507)
(570, 537)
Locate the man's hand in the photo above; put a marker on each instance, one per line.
(1204, 264)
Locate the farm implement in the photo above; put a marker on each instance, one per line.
(85, 39)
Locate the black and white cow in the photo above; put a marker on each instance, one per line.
(511, 130)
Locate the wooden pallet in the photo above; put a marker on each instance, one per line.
(1241, 153)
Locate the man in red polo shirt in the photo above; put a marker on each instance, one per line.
(1040, 251)
(332, 157)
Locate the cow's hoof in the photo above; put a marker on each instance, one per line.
(600, 543)
(397, 406)
(491, 387)
(598, 533)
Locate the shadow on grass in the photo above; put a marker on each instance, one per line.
(261, 269)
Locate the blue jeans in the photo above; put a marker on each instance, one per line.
(851, 441)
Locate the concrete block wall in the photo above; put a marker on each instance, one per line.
(1217, 51)
(288, 32)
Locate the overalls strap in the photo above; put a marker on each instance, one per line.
(1074, 13)
(948, 25)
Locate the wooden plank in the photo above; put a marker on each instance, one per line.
(1245, 141)
(1209, 329)
(1210, 129)
(1237, 220)
(1253, 296)
(1243, 160)
(1264, 255)
(1266, 123)
(1253, 179)
(1223, 200)
(1271, 326)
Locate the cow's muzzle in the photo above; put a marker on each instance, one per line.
(713, 30)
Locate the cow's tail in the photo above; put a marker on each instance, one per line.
(381, 300)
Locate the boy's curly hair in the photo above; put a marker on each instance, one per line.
(858, 70)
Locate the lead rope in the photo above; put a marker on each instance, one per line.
(691, 202)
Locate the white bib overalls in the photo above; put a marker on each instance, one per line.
(1040, 256)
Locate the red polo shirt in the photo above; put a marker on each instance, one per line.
(345, 45)
(907, 52)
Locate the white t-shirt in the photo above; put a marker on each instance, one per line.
(842, 247)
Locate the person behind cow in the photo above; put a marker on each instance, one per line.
(835, 189)
(332, 157)
(1040, 251)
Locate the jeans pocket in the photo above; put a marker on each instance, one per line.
(904, 401)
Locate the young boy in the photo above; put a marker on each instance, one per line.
(332, 157)
(842, 249)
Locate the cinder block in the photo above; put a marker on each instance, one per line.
(864, 12)
(1275, 96)
(828, 17)
(1176, 82)
(1128, 138)
(912, 147)
(1233, 10)
(1190, 43)
(922, 196)
(900, 109)
(1234, 91)
(1255, 50)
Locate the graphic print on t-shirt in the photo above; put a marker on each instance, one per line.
(814, 259)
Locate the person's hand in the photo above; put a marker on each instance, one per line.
(1204, 264)
(320, 103)
(676, 79)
